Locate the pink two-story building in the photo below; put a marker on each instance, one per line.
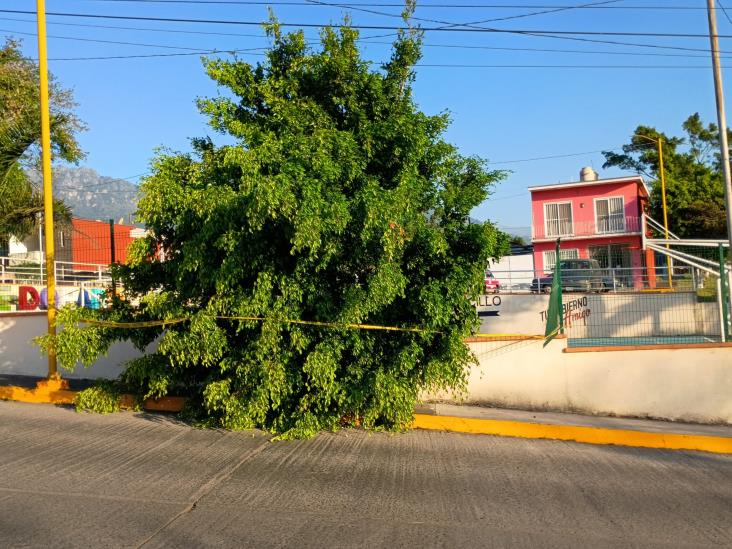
(595, 219)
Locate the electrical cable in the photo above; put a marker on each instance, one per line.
(724, 10)
(197, 51)
(396, 5)
(368, 38)
(373, 27)
(553, 156)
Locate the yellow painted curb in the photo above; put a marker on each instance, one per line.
(37, 395)
(57, 392)
(590, 435)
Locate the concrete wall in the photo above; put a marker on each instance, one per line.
(684, 385)
(19, 356)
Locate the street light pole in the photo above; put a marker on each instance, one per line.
(721, 122)
(47, 186)
(665, 210)
(662, 174)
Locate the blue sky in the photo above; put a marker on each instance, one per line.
(502, 114)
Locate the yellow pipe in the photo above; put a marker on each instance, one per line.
(47, 184)
(665, 211)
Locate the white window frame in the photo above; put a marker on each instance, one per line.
(546, 219)
(608, 199)
(563, 254)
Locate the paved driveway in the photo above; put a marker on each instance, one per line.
(132, 480)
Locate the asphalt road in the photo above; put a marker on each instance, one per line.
(137, 480)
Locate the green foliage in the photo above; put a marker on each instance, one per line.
(516, 240)
(20, 133)
(694, 188)
(102, 398)
(339, 202)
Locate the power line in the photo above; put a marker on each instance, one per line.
(144, 29)
(553, 156)
(79, 39)
(197, 51)
(151, 55)
(373, 27)
(448, 25)
(518, 66)
(724, 10)
(468, 24)
(401, 5)
(493, 199)
(552, 50)
(367, 38)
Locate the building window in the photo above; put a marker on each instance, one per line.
(610, 215)
(558, 218)
(550, 257)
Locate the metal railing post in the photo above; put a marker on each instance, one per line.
(723, 292)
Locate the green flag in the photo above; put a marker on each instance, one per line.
(555, 315)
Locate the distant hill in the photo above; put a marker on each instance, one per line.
(94, 196)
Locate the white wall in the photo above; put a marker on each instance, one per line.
(15, 246)
(512, 270)
(19, 356)
(684, 385)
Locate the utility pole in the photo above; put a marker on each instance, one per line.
(47, 186)
(721, 118)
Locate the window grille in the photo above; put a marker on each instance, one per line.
(558, 216)
(550, 257)
(610, 215)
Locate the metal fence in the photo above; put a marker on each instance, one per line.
(616, 280)
(84, 249)
(681, 318)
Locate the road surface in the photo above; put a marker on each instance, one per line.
(138, 480)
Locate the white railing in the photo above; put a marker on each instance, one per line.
(14, 270)
(582, 229)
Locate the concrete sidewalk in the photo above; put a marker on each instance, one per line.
(577, 420)
(645, 433)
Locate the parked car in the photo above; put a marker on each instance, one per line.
(491, 284)
(578, 275)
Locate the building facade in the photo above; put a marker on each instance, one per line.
(594, 219)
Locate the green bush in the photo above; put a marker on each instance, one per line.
(102, 398)
(337, 202)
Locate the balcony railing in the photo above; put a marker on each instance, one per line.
(630, 279)
(584, 229)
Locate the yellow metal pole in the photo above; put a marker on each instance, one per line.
(47, 185)
(665, 211)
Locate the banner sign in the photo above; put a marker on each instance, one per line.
(15, 298)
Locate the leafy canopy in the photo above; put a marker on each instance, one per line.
(693, 173)
(339, 202)
(20, 134)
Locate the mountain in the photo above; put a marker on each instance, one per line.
(94, 196)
